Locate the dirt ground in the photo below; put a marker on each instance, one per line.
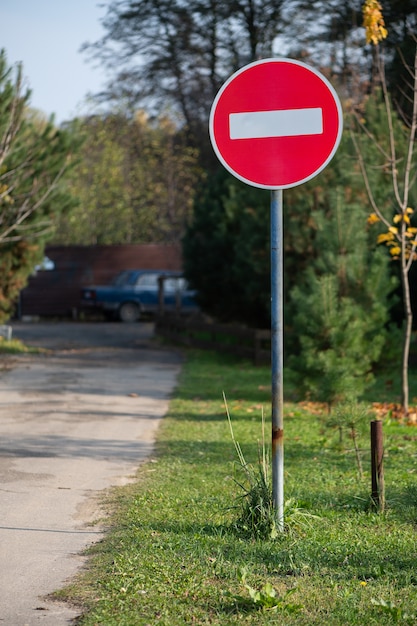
(73, 421)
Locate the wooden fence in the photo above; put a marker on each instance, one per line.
(250, 343)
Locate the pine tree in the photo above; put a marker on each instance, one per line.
(34, 155)
(340, 309)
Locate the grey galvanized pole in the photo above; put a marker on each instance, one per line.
(277, 355)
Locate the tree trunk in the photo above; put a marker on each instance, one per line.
(406, 338)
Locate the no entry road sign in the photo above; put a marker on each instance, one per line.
(276, 123)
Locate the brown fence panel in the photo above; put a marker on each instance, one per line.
(250, 343)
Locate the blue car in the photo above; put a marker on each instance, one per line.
(134, 293)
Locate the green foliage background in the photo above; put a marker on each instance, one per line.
(34, 155)
(135, 182)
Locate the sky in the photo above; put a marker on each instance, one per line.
(46, 36)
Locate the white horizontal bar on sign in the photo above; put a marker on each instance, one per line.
(285, 123)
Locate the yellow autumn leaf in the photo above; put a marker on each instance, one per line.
(384, 237)
(409, 210)
(397, 218)
(373, 218)
(412, 230)
(406, 219)
(395, 251)
(393, 229)
(373, 22)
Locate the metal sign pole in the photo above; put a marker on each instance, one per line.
(297, 131)
(277, 356)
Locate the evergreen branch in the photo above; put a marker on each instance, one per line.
(15, 118)
(23, 214)
(33, 235)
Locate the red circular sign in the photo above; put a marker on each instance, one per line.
(276, 123)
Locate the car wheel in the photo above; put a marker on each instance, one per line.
(129, 312)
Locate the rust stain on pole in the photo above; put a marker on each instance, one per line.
(277, 437)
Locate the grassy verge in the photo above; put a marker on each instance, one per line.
(174, 557)
(15, 346)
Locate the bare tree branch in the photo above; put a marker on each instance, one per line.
(364, 172)
(411, 140)
(393, 160)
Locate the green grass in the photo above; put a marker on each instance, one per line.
(173, 555)
(15, 346)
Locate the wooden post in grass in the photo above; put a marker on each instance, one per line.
(377, 465)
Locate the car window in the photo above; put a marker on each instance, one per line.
(175, 284)
(148, 280)
(170, 284)
(121, 279)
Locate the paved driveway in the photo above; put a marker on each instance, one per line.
(72, 422)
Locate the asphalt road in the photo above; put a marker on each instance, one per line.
(73, 422)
